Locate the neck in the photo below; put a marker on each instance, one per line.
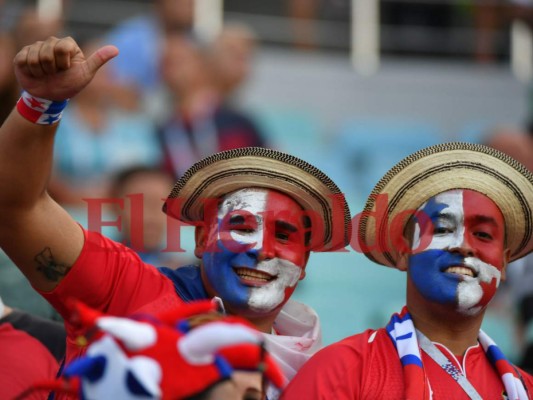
(199, 103)
(443, 324)
(263, 324)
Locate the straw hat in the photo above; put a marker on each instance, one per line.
(437, 169)
(227, 171)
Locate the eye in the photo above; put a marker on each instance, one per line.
(282, 236)
(442, 230)
(243, 229)
(483, 235)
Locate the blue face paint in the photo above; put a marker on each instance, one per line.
(218, 267)
(426, 270)
(251, 234)
(466, 233)
(432, 210)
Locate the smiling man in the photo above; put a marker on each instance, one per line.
(466, 212)
(259, 277)
(258, 213)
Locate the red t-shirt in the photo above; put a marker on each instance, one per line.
(367, 366)
(111, 278)
(23, 362)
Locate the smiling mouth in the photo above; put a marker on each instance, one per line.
(464, 271)
(253, 276)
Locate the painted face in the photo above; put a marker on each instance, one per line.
(255, 252)
(463, 262)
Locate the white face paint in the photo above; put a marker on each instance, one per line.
(434, 267)
(269, 296)
(469, 290)
(252, 200)
(452, 219)
(249, 278)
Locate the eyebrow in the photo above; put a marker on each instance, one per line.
(286, 226)
(237, 219)
(479, 218)
(443, 215)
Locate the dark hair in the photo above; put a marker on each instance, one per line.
(123, 176)
(204, 395)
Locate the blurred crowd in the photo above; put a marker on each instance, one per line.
(165, 103)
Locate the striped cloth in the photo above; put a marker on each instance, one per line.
(402, 332)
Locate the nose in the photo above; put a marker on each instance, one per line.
(267, 250)
(463, 246)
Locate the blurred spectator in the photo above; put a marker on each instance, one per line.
(153, 186)
(492, 16)
(515, 142)
(95, 140)
(140, 41)
(231, 55)
(9, 91)
(18, 293)
(519, 284)
(526, 320)
(33, 26)
(26, 28)
(26, 343)
(51, 334)
(303, 14)
(200, 124)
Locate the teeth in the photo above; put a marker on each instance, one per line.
(460, 271)
(253, 274)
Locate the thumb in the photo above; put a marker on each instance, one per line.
(100, 57)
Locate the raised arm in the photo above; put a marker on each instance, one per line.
(36, 233)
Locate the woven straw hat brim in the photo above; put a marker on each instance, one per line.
(248, 167)
(436, 169)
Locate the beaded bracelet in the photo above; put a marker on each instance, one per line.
(40, 111)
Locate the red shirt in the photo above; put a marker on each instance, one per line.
(113, 279)
(23, 362)
(367, 366)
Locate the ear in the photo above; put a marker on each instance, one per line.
(506, 258)
(200, 238)
(403, 261)
(306, 259)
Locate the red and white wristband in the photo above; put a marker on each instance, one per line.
(40, 111)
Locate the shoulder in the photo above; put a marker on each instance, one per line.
(337, 369)
(354, 349)
(187, 282)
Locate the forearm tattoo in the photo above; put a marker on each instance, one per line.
(52, 270)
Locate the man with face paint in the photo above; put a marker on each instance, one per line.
(258, 213)
(456, 214)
